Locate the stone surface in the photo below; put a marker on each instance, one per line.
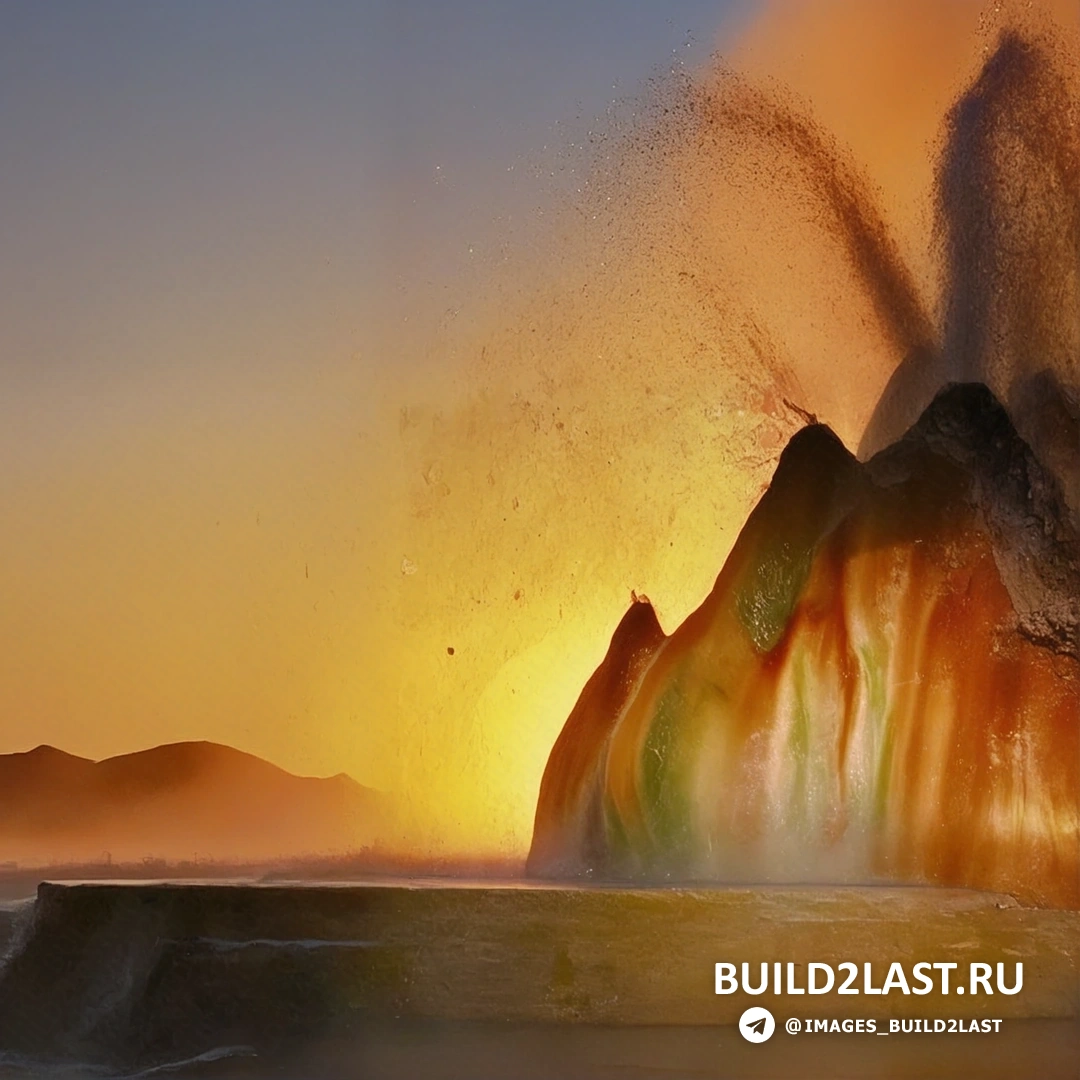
(130, 975)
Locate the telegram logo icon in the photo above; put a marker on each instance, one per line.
(756, 1025)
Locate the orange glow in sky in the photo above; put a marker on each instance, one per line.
(284, 564)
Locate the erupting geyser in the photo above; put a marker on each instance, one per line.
(884, 683)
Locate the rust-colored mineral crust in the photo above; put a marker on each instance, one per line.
(883, 685)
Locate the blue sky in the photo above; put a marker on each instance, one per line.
(175, 177)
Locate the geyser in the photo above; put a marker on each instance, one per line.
(884, 682)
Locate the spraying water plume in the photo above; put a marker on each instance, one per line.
(730, 256)
(1009, 225)
(884, 682)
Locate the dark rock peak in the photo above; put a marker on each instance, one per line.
(1020, 502)
(1036, 548)
(814, 447)
(966, 423)
(639, 622)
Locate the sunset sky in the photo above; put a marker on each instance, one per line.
(278, 430)
(216, 218)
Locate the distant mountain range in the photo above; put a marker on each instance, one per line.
(178, 802)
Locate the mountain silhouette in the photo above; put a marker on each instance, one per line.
(176, 802)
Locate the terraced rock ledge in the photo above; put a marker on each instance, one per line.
(132, 974)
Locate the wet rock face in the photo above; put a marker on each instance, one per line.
(883, 684)
(1026, 517)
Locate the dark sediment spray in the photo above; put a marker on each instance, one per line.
(730, 255)
(723, 269)
(1009, 230)
(883, 682)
